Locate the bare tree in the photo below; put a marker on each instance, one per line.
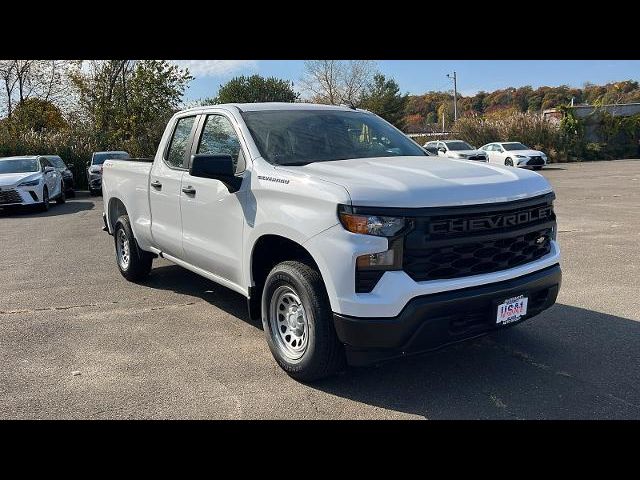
(43, 79)
(337, 81)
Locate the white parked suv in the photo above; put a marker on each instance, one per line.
(30, 181)
(348, 240)
(457, 149)
(514, 154)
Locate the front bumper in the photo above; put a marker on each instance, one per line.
(17, 196)
(432, 321)
(95, 182)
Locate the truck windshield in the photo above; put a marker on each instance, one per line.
(100, 157)
(19, 165)
(299, 137)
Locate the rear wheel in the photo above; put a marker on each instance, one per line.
(44, 206)
(133, 263)
(298, 322)
(508, 162)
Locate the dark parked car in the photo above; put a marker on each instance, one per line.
(94, 169)
(67, 175)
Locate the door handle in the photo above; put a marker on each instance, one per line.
(189, 190)
(156, 184)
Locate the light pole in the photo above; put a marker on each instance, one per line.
(455, 94)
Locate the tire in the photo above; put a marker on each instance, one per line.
(508, 162)
(312, 350)
(44, 206)
(134, 264)
(62, 198)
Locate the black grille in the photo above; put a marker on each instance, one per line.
(10, 196)
(477, 157)
(472, 242)
(535, 161)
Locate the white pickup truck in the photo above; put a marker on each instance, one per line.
(350, 242)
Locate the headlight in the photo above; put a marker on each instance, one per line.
(379, 226)
(30, 183)
(462, 155)
(521, 156)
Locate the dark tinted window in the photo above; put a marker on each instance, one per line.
(180, 141)
(19, 165)
(514, 146)
(100, 157)
(57, 162)
(290, 137)
(458, 146)
(218, 136)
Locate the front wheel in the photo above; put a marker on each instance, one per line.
(298, 322)
(134, 264)
(508, 162)
(44, 206)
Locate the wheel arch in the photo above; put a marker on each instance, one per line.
(115, 209)
(267, 251)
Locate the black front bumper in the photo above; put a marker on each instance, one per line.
(433, 321)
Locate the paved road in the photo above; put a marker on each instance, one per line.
(180, 346)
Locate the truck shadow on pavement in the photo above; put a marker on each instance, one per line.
(182, 281)
(68, 208)
(566, 363)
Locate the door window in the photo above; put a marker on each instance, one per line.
(219, 137)
(180, 142)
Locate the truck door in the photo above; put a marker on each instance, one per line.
(164, 188)
(212, 218)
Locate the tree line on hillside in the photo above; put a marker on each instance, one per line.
(73, 108)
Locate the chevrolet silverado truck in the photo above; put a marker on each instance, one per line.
(350, 242)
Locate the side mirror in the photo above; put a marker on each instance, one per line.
(442, 149)
(49, 169)
(219, 167)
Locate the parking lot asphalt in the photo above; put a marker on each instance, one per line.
(78, 341)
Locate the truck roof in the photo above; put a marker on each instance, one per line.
(253, 107)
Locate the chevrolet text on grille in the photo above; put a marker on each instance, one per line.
(490, 222)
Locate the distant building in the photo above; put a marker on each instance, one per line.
(583, 111)
(591, 117)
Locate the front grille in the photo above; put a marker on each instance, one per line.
(10, 196)
(535, 161)
(466, 241)
(477, 157)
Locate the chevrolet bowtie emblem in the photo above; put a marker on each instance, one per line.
(540, 240)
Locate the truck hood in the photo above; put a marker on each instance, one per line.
(426, 182)
(11, 179)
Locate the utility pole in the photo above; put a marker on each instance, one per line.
(455, 94)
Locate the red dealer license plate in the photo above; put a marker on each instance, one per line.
(511, 310)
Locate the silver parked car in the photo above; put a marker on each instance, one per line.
(94, 169)
(457, 149)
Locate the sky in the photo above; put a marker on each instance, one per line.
(420, 76)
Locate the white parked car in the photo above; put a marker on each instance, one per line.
(30, 180)
(514, 154)
(457, 149)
